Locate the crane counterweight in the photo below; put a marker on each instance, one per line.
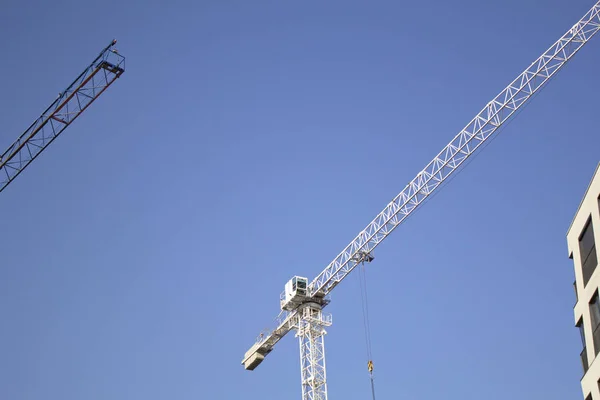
(254, 356)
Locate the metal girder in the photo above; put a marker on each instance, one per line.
(70, 103)
(311, 334)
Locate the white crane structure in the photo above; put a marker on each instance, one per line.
(302, 302)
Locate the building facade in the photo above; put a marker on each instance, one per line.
(582, 239)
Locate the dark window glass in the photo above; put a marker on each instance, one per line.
(595, 310)
(586, 241)
(584, 360)
(581, 332)
(587, 251)
(589, 265)
(595, 321)
(583, 354)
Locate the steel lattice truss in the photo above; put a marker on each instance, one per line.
(465, 143)
(311, 333)
(89, 85)
(481, 128)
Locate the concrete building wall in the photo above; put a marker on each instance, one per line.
(582, 249)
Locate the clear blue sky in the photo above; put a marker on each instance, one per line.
(251, 141)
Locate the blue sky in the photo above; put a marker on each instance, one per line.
(248, 142)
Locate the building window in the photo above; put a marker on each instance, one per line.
(587, 251)
(589, 397)
(583, 355)
(581, 332)
(575, 281)
(595, 321)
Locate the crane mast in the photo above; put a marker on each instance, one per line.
(70, 103)
(302, 302)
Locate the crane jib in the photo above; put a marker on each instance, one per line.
(70, 103)
(479, 129)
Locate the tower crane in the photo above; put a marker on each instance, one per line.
(302, 302)
(69, 104)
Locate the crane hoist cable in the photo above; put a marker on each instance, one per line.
(362, 276)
